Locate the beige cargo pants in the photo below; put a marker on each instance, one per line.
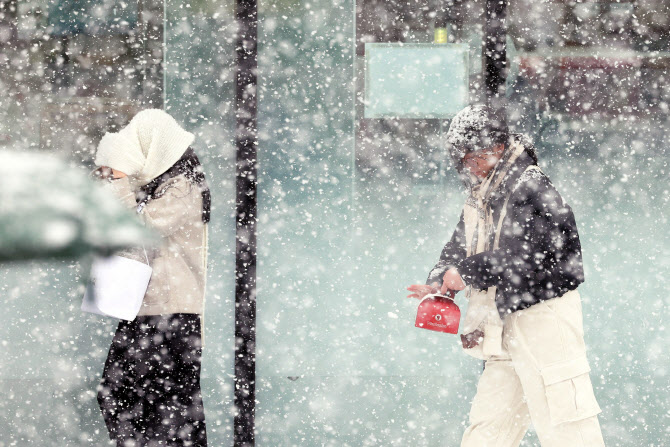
(542, 377)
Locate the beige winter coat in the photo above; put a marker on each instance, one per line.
(179, 263)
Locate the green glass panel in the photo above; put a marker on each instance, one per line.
(415, 80)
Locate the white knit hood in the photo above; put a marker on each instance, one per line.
(147, 147)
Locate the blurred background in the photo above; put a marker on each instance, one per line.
(352, 210)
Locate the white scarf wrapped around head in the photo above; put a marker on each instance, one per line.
(147, 147)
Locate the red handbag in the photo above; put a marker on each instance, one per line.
(438, 313)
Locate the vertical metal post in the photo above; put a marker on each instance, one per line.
(246, 204)
(495, 61)
(151, 24)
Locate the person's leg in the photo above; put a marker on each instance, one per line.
(116, 396)
(187, 349)
(546, 343)
(150, 380)
(142, 364)
(175, 413)
(499, 416)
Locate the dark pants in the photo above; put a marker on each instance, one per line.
(150, 394)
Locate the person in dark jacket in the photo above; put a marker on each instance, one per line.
(516, 253)
(541, 258)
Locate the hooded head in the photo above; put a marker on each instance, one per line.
(472, 130)
(146, 148)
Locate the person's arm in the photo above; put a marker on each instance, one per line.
(167, 212)
(173, 207)
(544, 259)
(120, 187)
(452, 255)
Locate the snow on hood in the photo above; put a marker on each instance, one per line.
(469, 131)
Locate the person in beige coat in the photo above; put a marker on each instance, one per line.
(150, 388)
(516, 254)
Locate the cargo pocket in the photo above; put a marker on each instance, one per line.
(569, 391)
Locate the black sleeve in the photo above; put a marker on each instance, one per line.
(452, 254)
(541, 257)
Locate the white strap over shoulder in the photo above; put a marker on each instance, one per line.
(145, 254)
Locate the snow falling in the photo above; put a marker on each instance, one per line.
(351, 210)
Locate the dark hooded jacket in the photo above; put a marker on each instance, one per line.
(540, 254)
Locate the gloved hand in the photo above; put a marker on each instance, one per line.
(472, 339)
